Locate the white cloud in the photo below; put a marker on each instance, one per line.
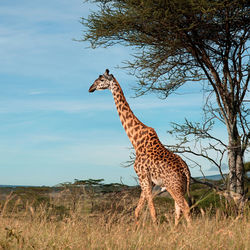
(54, 11)
(17, 106)
(224, 168)
(95, 103)
(37, 40)
(37, 92)
(153, 102)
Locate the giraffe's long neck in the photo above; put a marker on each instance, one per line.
(130, 122)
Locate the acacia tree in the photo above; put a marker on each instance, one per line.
(178, 41)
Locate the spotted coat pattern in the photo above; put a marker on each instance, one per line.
(154, 164)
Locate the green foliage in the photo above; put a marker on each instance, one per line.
(247, 166)
(96, 185)
(89, 182)
(168, 36)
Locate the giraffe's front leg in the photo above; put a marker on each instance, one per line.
(146, 195)
(146, 189)
(146, 186)
(140, 206)
(151, 206)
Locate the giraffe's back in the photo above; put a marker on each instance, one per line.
(164, 167)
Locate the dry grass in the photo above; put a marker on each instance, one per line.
(114, 228)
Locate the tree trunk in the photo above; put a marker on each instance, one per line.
(235, 163)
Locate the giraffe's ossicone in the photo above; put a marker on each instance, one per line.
(154, 164)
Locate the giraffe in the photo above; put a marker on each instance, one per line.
(154, 164)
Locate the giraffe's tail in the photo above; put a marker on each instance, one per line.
(188, 176)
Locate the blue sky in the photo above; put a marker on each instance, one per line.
(51, 129)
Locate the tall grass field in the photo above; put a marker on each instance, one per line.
(76, 218)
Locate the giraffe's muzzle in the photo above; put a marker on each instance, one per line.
(92, 88)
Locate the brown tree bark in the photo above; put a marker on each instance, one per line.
(235, 162)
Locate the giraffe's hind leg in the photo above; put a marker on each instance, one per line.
(177, 213)
(181, 205)
(185, 209)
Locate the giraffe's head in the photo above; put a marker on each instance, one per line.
(102, 82)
